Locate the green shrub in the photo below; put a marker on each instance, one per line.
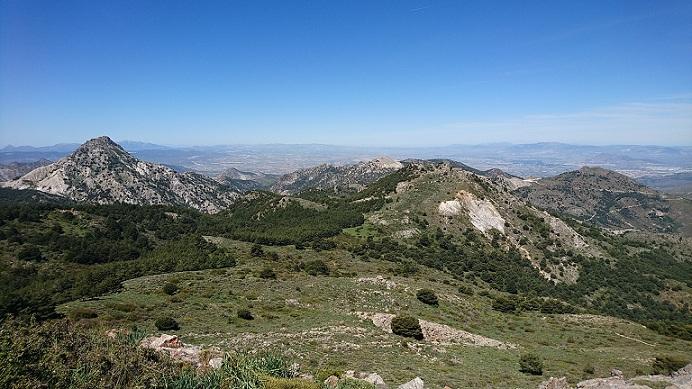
(166, 324)
(83, 313)
(668, 364)
(531, 364)
(245, 314)
(405, 269)
(267, 274)
(556, 306)
(467, 290)
(170, 288)
(30, 253)
(256, 250)
(427, 296)
(589, 369)
(505, 304)
(407, 326)
(316, 267)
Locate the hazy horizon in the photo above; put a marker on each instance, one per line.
(174, 146)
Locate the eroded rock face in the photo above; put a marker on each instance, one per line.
(481, 212)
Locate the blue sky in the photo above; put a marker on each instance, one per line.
(346, 72)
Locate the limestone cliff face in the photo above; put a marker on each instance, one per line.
(101, 171)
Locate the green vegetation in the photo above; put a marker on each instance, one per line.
(166, 324)
(245, 314)
(59, 354)
(170, 288)
(407, 326)
(427, 296)
(531, 364)
(267, 273)
(668, 364)
(316, 267)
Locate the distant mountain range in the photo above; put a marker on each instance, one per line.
(101, 171)
(538, 160)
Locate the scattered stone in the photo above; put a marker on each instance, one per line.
(331, 382)
(376, 380)
(416, 383)
(172, 345)
(555, 383)
(616, 373)
(215, 363)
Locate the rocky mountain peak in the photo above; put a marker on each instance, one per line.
(101, 143)
(385, 162)
(101, 171)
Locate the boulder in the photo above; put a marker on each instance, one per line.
(416, 383)
(376, 380)
(331, 382)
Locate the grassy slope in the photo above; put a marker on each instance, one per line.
(321, 332)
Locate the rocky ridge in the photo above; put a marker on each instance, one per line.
(339, 178)
(101, 171)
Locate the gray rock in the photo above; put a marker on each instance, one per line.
(331, 382)
(416, 383)
(555, 383)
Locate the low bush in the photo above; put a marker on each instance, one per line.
(267, 274)
(505, 304)
(316, 267)
(407, 326)
(170, 288)
(668, 364)
(245, 314)
(166, 324)
(467, 290)
(256, 250)
(83, 313)
(531, 364)
(427, 296)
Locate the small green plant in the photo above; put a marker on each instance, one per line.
(245, 314)
(531, 364)
(316, 267)
(83, 313)
(267, 273)
(407, 326)
(170, 288)
(166, 324)
(467, 290)
(256, 250)
(589, 369)
(427, 296)
(668, 364)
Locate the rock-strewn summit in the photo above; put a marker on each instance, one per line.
(103, 172)
(341, 178)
